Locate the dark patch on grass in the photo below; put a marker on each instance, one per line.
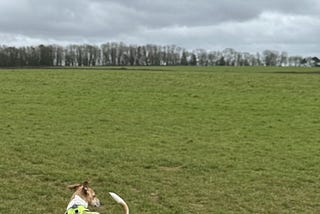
(295, 72)
(96, 68)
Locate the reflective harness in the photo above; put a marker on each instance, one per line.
(79, 210)
(78, 206)
(76, 210)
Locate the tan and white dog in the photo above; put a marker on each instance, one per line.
(85, 196)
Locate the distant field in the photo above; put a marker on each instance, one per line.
(167, 139)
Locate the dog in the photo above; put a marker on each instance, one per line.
(85, 196)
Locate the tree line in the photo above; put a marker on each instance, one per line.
(120, 54)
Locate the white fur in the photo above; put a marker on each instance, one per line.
(117, 198)
(77, 200)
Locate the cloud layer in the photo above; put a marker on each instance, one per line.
(285, 25)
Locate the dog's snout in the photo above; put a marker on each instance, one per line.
(96, 203)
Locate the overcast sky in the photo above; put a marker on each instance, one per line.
(245, 25)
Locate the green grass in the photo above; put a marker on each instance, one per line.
(167, 139)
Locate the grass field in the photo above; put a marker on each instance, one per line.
(167, 139)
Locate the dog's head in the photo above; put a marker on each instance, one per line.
(86, 193)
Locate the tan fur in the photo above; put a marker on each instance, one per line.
(85, 192)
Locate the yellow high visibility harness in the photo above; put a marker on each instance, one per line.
(76, 209)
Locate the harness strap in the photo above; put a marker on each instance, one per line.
(76, 209)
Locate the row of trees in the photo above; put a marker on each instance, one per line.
(115, 54)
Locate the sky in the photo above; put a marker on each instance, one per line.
(245, 25)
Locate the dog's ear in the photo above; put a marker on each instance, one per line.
(85, 187)
(85, 184)
(73, 186)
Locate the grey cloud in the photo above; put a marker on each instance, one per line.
(210, 23)
(208, 12)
